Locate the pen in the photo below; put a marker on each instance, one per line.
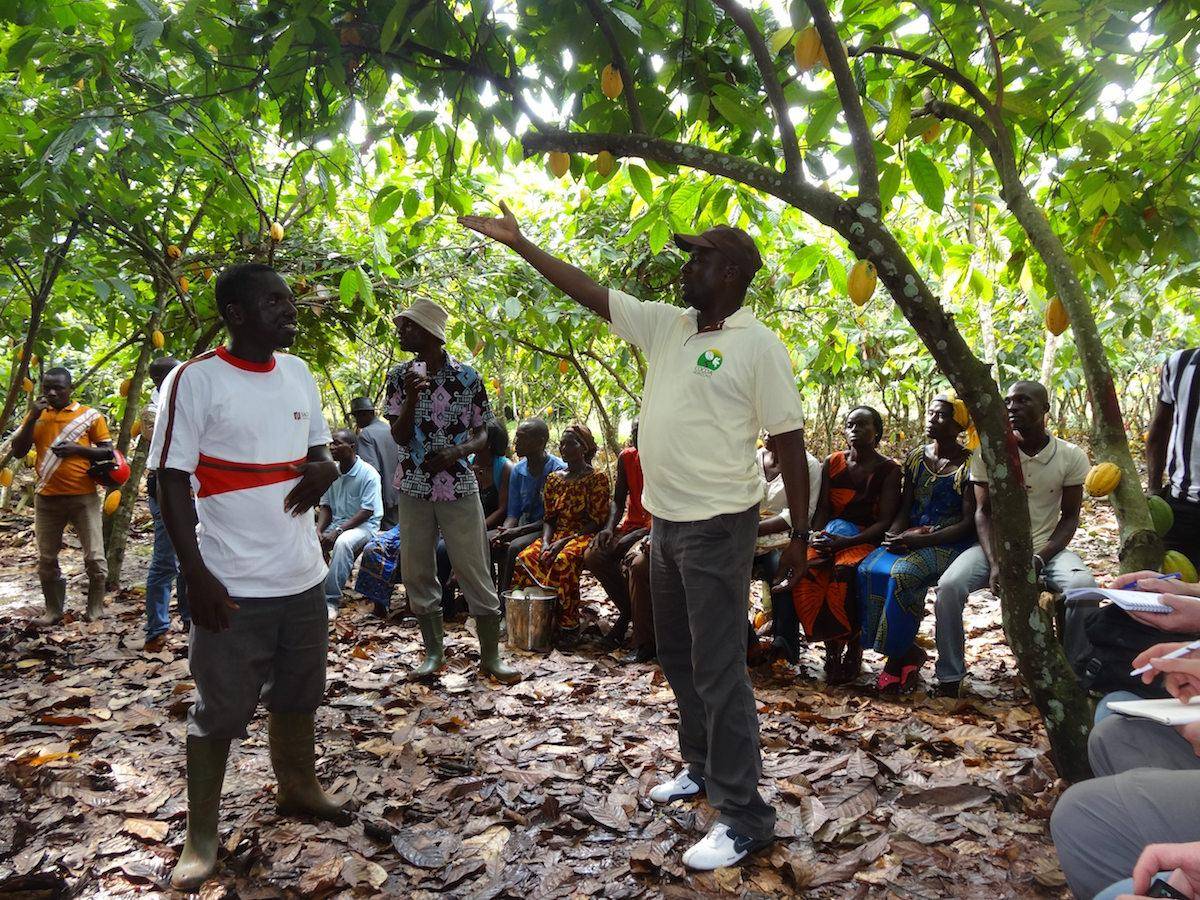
(1174, 654)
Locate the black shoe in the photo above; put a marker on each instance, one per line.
(616, 635)
(947, 689)
(639, 655)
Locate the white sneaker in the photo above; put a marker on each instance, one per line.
(678, 788)
(719, 848)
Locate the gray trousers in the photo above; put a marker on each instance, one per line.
(1147, 791)
(462, 526)
(274, 650)
(700, 592)
(969, 573)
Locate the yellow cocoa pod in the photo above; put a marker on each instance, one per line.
(157, 339)
(605, 163)
(208, 273)
(610, 82)
(6, 477)
(1102, 479)
(79, 85)
(111, 502)
(808, 50)
(125, 385)
(27, 385)
(33, 360)
(1174, 561)
(184, 284)
(861, 283)
(1057, 319)
(930, 134)
(136, 429)
(276, 232)
(173, 252)
(31, 458)
(760, 619)
(495, 384)
(560, 163)
(563, 366)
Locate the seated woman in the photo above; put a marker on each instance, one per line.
(379, 569)
(774, 528)
(935, 523)
(576, 508)
(860, 493)
(492, 468)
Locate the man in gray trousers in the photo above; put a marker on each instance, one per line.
(1147, 789)
(715, 378)
(439, 412)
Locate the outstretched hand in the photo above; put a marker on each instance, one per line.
(503, 229)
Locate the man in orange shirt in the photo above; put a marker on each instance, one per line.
(69, 437)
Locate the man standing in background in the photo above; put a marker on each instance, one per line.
(378, 449)
(1173, 445)
(69, 437)
(164, 567)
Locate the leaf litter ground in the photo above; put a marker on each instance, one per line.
(468, 789)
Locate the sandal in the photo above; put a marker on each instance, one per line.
(887, 683)
(910, 675)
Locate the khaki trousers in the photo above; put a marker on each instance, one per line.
(51, 515)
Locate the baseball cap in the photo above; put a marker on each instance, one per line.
(732, 243)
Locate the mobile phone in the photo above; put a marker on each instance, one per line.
(419, 368)
(1160, 888)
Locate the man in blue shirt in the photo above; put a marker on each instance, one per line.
(349, 515)
(523, 525)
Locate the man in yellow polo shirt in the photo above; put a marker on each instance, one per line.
(68, 437)
(715, 378)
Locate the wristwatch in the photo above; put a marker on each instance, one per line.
(800, 534)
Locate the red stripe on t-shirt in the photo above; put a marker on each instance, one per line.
(220, 476)
(166, 447)
(246, 364)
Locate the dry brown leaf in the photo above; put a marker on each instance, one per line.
(148, 829)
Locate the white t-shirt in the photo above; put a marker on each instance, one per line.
(774, 502)
(237, 427)
(1058, 465)
(707, 396)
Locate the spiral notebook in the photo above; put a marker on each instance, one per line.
(1131, 601)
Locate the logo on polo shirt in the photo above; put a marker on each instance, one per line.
(708, 362)
(300, 414)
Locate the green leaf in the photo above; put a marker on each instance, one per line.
(900, 115)
(146, 33)
(660, 234)
(385, 206)
(512, 307)
(780, 39)
(348, 287)
(927, 180)
(391, 25)
(640, 179)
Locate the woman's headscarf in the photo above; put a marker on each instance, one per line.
(583, 434)
(961, 416)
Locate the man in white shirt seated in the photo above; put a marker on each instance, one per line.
(349, 515)
(1054, 471)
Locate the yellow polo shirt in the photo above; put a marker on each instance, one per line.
(708, 395)
(71, 477)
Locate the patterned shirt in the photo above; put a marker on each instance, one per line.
(446, 415)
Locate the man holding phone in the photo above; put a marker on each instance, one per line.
(439, 411)
(69, 437)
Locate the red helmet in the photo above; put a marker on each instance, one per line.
(110, 473)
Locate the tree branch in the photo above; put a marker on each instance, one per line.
(943, 109)
(987, 24)
(635, 111)
(766, 67)
(856, 120)
(817, 202)
(929, 62)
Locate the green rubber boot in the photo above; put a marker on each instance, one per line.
(55, 594)
(435, 657)
(95, 600)
(488, 628)
(206, 758)
(294, 759)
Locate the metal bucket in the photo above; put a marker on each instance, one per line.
(530, 614)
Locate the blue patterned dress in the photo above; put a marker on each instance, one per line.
(892, 588)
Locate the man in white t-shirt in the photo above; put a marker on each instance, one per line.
(243, 425)
(715, 377)
(1053, 471)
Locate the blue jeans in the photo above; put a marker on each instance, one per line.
(346, 549)
(163, 573)
(1102, 710)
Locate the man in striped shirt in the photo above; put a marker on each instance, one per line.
(244, 424)
(1172, 445)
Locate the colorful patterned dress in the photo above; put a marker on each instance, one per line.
(824, 598)
(572, 505)
(892, 588)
